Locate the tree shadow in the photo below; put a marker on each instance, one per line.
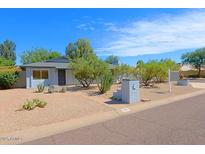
(114, 102)
(77, 88)
(18, 110)
(94, 93)
(160, 92)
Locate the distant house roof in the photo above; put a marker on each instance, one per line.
(188, 67)
(60, 63)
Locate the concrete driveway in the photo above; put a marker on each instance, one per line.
(198, 83)
(177, 123)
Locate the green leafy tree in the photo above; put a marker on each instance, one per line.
(84, 70)
(154, 71)
(114, 60)
(196, 59)
(146, 72)
(122, 71)
(81, 48)
(163, 67)
(8, 50)
(37, 55)
(6, 62)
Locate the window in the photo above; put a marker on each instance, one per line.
(40, 74)
(36, 74)
(44, 74)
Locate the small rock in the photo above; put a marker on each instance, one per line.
(145, 99)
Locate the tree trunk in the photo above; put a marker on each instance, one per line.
(199, 72)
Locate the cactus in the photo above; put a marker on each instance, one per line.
(40, 88)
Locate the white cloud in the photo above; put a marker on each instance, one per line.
(86, 26)
(162, 34)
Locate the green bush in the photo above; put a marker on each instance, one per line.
(154, 71)
(30, 105)
(146, 73)
(39, 103)
(122, 71)
(40, 88)
(8, 76)
(103, 76)
(104, 81)
(8, 79)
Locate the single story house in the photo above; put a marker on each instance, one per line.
(55, 71)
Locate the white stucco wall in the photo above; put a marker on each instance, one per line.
(69, 77)
(32, 83)
(52, 77)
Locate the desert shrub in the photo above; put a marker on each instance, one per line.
(105, 82)
(104, 76)
(163, 67)
(8, 76)
(39, 103)
(122, 71)
(154, 71)
(31, 104)
(145, 72)
(40, 88)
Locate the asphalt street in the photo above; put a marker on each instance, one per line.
(181, 122)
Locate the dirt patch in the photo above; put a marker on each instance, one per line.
(60, 107)
(76, 103)
(159, 91)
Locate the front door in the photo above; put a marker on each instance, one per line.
(61, 77)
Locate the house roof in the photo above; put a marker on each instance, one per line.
(60, 63)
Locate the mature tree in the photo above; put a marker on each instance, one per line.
(81, 48)
(154, 71)
(112, 60)
(122, 71)
(6, 62)
(170, 64)
(196, 59)
(37, 55)
(84, 70)
(146, 72)
(8, 50)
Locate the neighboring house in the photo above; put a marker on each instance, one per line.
(186, 67)
(55, 71)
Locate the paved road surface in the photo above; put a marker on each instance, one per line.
(182, 122)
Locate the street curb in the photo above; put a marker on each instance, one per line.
(38, 132)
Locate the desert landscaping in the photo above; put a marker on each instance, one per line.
(72, 104)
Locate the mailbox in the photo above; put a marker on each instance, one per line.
(130, 91)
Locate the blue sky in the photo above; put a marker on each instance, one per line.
(132, 34)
